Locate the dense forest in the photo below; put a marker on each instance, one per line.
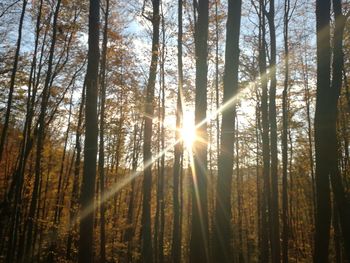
(174, 131)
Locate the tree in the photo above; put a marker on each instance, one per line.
(147, 252)
(41, 126)
(285, 230)
(12, 82)
(101, 161)
(274, 210)
(323, 119)
(264, 249)
(90, 145)
(341, 200)
(199, 244)
(222, 225)
(178, 148)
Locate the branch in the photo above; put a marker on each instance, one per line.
(143, 12)
(7, 8)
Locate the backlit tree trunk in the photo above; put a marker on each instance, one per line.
(199, 243)
(146, 233)
(12, 82)
(323, 119)
(223, 251)
(178, 151)
(85, 254)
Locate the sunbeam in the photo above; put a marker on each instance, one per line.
(185, 136)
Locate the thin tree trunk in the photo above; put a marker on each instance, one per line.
(75, 188)
(129, 233)
(285, 230)
(101, 158)
(178, 148)
(240, 198)
(41, 133)
(146, 233)
(12, 82)
(85, 254)
(162, 142)
(217, 93)
(274, 211)
(264, 253)
(309, 130)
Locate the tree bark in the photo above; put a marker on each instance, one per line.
(285, 230)
(41, 132)
(274, 208)
(12, 82)
(146, 233)
(223, 250)
(199, 243)
(264, 250)
(101, 157)
(178, 148)
(322, 139)
(341, 199)
(85, 253)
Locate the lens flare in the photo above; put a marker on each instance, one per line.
(188, 131)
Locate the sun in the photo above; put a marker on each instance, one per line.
(188, 130)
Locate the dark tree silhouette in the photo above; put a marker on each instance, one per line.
(147, 252)
(199, 244)
(222, 240)
(323, 119)
(90, 147)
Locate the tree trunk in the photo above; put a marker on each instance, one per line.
(101, 157)
(285, 230)
(146, 233)
(41, 133)
(223, 251)
(264, 253)
(322, 139)
(274, 208)
(341, 199)
(75, 188)
(162, 142)
(178, 148)
(199, 244)
(85, 253)
(12, 82)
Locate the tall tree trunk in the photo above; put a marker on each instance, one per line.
(341, 199)
(41, 132)
(240, 198)
(12, 82)
(146, 233)
(285, 230)
(59, 198)
(178, 148)
(101, 156)
(274, 208)
(217, 92)
(17, 177)
(85, 254)
(264, 253)
(162, 142)
(75, 188)
(309, 131)
(199, 244)
(129, 233)
(322, 140)
(223, 251)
